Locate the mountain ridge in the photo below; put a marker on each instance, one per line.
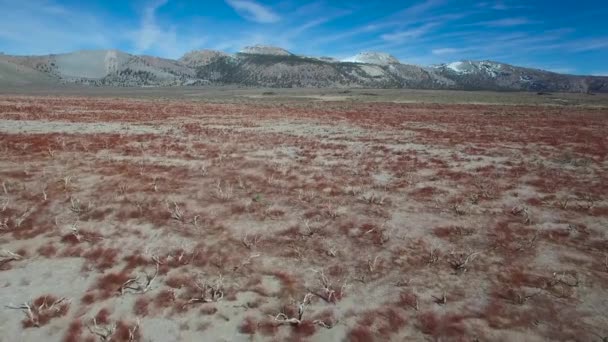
(268, 66)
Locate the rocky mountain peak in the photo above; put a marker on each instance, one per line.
(265, 50)
(198, 58)
(372, 57)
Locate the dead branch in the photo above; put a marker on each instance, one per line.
(433, 256)
(524, 212)
(328, 293)
(77, 207)
(373, 199)
(67, 182)
(33, 313)
(563, 279)
(459, 262)
(104, 333)
(323, 324)
(282, 318)
(209, 293)
(22, 217)
(530, 243)
(331, 251)
(441, 300)
(251, 242)
(224, 193)
(522, 298)
(176, 213)
(8, 256)
(372, 264)
(140, 287)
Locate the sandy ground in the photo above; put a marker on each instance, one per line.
(149, 220)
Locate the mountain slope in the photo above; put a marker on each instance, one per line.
(14, 74)
(268, 66)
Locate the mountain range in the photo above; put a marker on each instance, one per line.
(267, 66)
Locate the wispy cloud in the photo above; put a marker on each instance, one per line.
(422, 7)
(149, 33)
(253, 11)
(152, 37)
(590, 44)
(41, 27)
(448, 51)
(506, 22)
(401, 36)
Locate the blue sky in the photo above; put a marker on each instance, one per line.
(563, 36)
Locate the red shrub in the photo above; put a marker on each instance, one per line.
(305, 328)
(249, 326)
(44, 309)
(164, 299)
(126, 332)
(178, 281)
(74, 333)
(103, 316)
(140, 307)
(48, 250)
(102, 258)
(441, 326)
(360, 333)
(135, 260)
(88, 298)
(109, 284)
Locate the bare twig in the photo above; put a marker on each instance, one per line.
(176, 213)
(224, 193)
(34, 313)
(136, 286)
(8, 256)
(372, 263)
(209, 293)
(250, 242)
(78, 208)
(328, 292)
(459, 263)
(441, 300)
(522, 298)
(282, 318)
(104, 333)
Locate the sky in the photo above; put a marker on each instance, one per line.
(562, 36)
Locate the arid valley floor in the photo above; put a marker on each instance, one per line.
(266, 216)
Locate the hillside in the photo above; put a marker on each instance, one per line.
(266, 66)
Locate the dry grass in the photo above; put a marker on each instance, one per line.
(281, 221)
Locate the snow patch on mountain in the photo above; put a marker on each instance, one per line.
(199, 58)
(378, 58)
(457, 67)
(265, 50)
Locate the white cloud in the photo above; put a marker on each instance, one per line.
(447, 51)
(506, 22)
(422, 7)
(152, 37)
(42, 27)
(408, 34)
(253, 11)
(149, 33)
